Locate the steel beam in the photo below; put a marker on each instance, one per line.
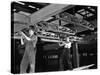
(48, 11)
(20, 21)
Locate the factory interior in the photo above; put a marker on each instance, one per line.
(71, 20)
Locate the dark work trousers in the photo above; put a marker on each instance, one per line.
(28, 58)
(65, 60)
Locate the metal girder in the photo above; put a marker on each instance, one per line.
(48, 11)
(54, 28)
(20, 21)
(74, 20)
(23, 21)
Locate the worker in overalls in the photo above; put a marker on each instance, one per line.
(65, 56)
(30, 50)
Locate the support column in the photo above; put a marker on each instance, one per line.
(75, 55)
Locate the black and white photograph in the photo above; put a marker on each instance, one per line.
(51, 37)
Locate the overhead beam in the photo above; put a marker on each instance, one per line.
(20, 18)
(48, 11)
(19, 21)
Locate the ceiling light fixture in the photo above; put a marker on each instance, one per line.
(19, 2)
(37, 8)
(14, 10)
(31, 6)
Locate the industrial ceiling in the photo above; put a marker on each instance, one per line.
(37, 12)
